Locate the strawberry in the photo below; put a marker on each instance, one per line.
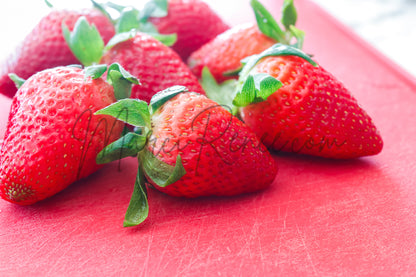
(44, 47)
(187, 145)
(194, 23)
(52, 137)
(191, 22)
(223, 54)
(156, 65)
(295, 105)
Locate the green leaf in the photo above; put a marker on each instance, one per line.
(256, 88)
(126, 75)
(289, 14)
(128, 20)
(232, 73)
(114, 6)
(132, 111)
(160, 172)
(138, 209)
(121, 80)
(84, 41)
(17, 80)
(167, 40)
(49, 4)
(102, 8)
(154, 8)
(75, 66)
(276, 50)
(119, 38)
(265, 85)
(128, 145)
(269, 26)
(122, 87)
(223, 93)
(131, 21)
(163, 96)
(266, 23)
(247, 94)
(299, 35)
(95, 71)
(148, 28)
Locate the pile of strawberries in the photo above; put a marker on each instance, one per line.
(198, 103)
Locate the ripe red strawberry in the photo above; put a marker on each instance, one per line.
(191, 125)
(311, 113)
(223, 54)
(52, 136)
(44, 47)
(194, 23)
(156, 65)
(185, 25)
(190, 146)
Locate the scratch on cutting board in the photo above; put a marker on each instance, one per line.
(196, 253)
(284, 219)
(146, 268)
(162, 255)
(282, 230)
(207, 271)
(306, 250)
(260, 247)
(253, 236)
(202, 263)
(62, 256)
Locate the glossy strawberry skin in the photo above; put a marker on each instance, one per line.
(156, 65)
(52, 138)
(313, 113)
(220, 154)
(45, 47)
(225, 52)
(194, 22)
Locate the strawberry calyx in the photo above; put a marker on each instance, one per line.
(131, 20)
(84, 41)
(234, 94)
(49, 4)
(138, 113)
(254, 88)
(270, 27)
(154, 8)
(250, 87)
(18, 81)
(117, 76)
(138, 209)
(286, 34)
(121, 80)
(87, 45)
(162, 97)
(277, 49)
(223, 93)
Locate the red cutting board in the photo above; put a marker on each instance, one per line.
(319, 218)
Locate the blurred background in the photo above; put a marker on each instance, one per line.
(389, 25)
